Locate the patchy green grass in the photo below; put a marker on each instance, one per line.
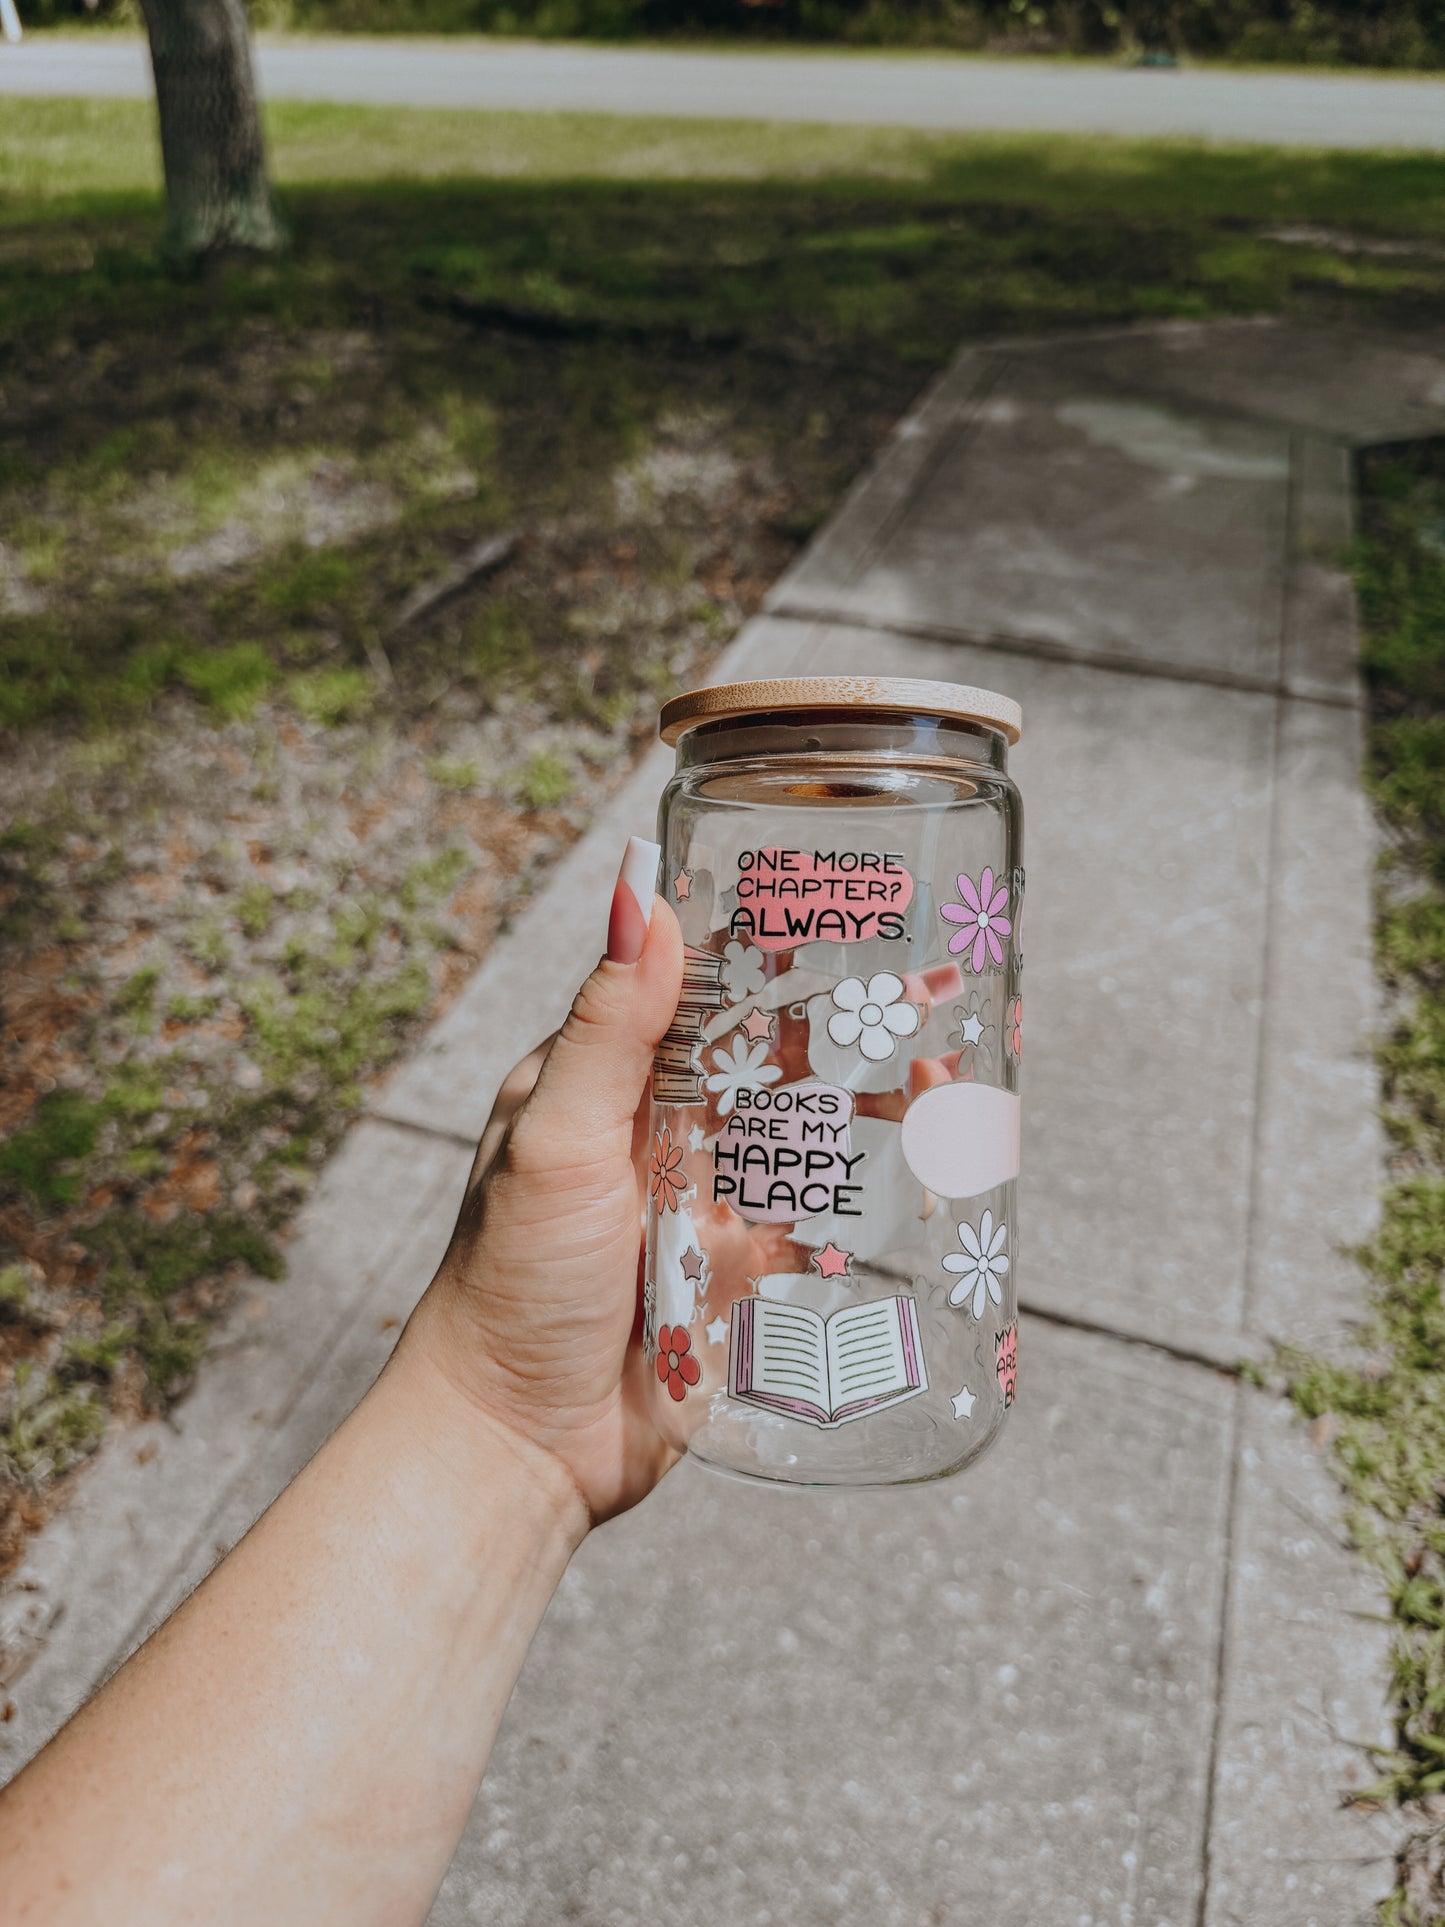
(41, 1160)
(1389, 1416)
(547, 779)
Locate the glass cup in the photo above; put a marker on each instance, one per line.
(830, 1294)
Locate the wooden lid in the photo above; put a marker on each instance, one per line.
(902, 695)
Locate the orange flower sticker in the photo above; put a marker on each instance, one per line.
(676, 1366)
(665, 1180)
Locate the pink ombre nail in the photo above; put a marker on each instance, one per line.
(632, 900)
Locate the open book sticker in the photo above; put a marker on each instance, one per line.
(826, 1371)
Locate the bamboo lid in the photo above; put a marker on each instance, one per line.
(899, 695)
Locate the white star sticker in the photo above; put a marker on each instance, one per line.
(717, 1332)
(971, 1029)
(963, 1403)
(696, 1138)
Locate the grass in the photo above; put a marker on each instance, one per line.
(254, 824)
(1389, 1414)
(57, 154)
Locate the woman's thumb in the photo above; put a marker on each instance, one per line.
(596, 1071)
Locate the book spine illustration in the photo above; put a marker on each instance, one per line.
(740, 1357)
(676, 1073)
(912, 1343)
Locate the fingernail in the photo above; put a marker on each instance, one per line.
(933, 986)
(632, 900)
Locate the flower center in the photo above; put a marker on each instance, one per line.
(672, 1361)
(983, 919)
(871, 1014)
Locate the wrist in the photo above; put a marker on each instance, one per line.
(477, 1459)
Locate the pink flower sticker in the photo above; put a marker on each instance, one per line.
(665, 1180)
(983, 925)
(676, 1366)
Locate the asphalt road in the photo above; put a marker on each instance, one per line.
(1287, 109)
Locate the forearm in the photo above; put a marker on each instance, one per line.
(303, 1740)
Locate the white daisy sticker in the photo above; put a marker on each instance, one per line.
(872, 1015)
(982, 1264)
(744, 1068)
(743, 972)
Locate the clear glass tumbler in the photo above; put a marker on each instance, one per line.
(830, 1293)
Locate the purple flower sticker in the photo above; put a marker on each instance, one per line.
(980, 915)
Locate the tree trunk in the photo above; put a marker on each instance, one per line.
(217, 194)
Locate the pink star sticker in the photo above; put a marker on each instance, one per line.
(682, 885)
(691, 1262)
(831, 1262)
(757, 1023)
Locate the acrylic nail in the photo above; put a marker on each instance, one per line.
(632, 900)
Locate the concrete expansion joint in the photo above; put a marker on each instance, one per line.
(437, 1132)
(1119, 1335)
(1073, 655)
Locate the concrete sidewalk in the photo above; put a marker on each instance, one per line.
(943, 92)
(1121, 1672)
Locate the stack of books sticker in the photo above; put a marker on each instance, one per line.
(676, 1074)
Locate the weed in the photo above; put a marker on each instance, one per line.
(135, 1092)
(169, 1349)
(137, 996)
(206, 941)
(311, 584)
(192, 1010)
(144, 1161)
(153, 1261)
(454, 772)
(95, 1354)
(434, 878)
(331, 696)
(48, 1434)
(499, 648)
(255, 905)
(64, 1130)
(230, 681)
(301, 1032)
(547, 780)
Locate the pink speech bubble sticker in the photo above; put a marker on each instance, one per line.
(791, 897)
(786, 1154)
(961, 1140)
(1006, 1361)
